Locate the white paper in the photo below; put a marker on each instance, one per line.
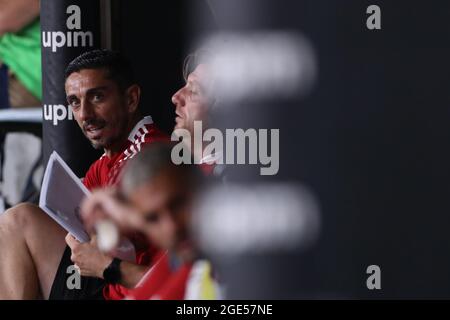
(61, 195)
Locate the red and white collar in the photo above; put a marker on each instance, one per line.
(140, 129)
(136, 136)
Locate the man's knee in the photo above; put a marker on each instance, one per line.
(20, 215)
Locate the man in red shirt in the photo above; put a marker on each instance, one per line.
(157, 198)
(104, 98)
(164, 223)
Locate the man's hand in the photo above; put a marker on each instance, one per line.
(105, 204)
(87, 257)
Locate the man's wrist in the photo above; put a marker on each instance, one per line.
(107, 260)
(113, 273)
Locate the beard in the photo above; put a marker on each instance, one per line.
(101, 143)
(107, 138)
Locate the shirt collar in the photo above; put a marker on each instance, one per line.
(131, 137)
(141, 124)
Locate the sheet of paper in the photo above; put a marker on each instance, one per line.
(61, 195)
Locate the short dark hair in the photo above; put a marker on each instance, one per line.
(153, 160)
(117, 66)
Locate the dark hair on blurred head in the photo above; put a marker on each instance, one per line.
(116, 65)
(152, 161)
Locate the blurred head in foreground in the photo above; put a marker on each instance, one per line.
(162, 196)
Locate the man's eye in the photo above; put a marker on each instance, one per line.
(193, 94)
(97, 97)
(74, 103)
(152, 218)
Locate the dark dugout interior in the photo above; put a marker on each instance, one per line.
(156, 38)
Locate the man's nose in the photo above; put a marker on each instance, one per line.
(178, 98)
(86, 111)
(168, 225)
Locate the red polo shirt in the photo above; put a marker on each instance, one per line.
(162, 283)
(106, 172)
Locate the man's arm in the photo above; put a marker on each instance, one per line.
(91, 262)
(105, 204)
(131, 274)
(14, 15)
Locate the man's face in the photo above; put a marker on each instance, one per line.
(99, 107)
(193, 100)
(165, 207)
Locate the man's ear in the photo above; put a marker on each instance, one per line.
(133, 96)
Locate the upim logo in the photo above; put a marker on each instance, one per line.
(58, 39)
(57, 112)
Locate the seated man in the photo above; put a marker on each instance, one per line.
(157, 197)
(193, 102)
(104, 98)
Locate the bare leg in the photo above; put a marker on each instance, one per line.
(31, 247)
